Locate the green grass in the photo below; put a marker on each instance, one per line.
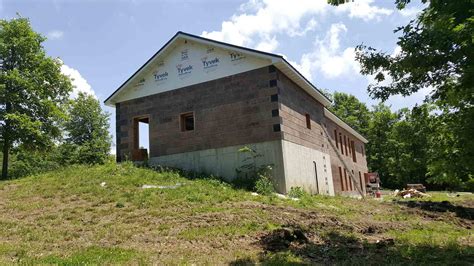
(66, 217)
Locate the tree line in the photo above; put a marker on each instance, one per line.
(433, 141)
(409, 145)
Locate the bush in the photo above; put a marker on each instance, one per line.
(296, 192)
(264, 186)
(254, 177)
(469, 185)
(24, 163)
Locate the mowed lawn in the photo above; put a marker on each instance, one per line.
(68, 217)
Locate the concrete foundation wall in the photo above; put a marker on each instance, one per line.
(223, 162)
(307, 168)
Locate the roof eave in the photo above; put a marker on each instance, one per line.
(344, 125)
(292, 73)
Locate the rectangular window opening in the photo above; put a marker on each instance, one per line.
(361, 183)
(345, 179)
(335, 138)
(340, 177)
(345, 145)
(340, 141)
(274, 98)
(275, 112)
(351, 181)
(273, 83)
(276, 128)
(354, 157)
(187, 121)
(308, 121)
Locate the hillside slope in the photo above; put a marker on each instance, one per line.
(72, 217)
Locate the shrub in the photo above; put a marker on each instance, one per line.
(24, 163)
(254, 177)
(469, 185)
(264, 186)
(296, 192)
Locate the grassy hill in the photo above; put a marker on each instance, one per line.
(68, 217)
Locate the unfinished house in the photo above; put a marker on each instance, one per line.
(202, 100)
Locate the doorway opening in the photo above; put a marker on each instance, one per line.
(141, 138)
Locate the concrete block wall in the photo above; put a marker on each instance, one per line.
(295, 104)
(341, 184)
(230, 111)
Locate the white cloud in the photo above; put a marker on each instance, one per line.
(363, 9)
(80, 83)
(261, 20)
(328, 58)
(55, 35)
(260, 23)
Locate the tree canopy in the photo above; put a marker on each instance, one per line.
(436, 53)
(32, 89)
(87, 130)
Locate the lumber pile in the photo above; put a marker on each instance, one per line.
(410, 193)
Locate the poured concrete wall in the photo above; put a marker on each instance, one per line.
(223, 162)
(307, 168)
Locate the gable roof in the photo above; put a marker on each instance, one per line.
(281, 63)
(277, 60)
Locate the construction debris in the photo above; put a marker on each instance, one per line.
(163, 187)
(410, 193)
(281, 196)
(418, 187)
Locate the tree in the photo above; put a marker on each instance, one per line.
(32, 89)
(380, 145)
(409, 145)
(351, 110)
(437, 52)
(87, 131)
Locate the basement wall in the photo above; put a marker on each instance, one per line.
(307, 168)
(224, 161)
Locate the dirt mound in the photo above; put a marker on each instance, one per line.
(282, 238)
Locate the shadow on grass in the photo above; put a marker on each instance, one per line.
(289, 247)
(443, 206)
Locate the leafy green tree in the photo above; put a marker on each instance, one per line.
(351, 110)
(32, 90)
(88, 137)
(409, 145)
(437, 52)
(380, 146)
(450, 152)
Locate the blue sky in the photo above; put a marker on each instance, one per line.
(103, 42)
